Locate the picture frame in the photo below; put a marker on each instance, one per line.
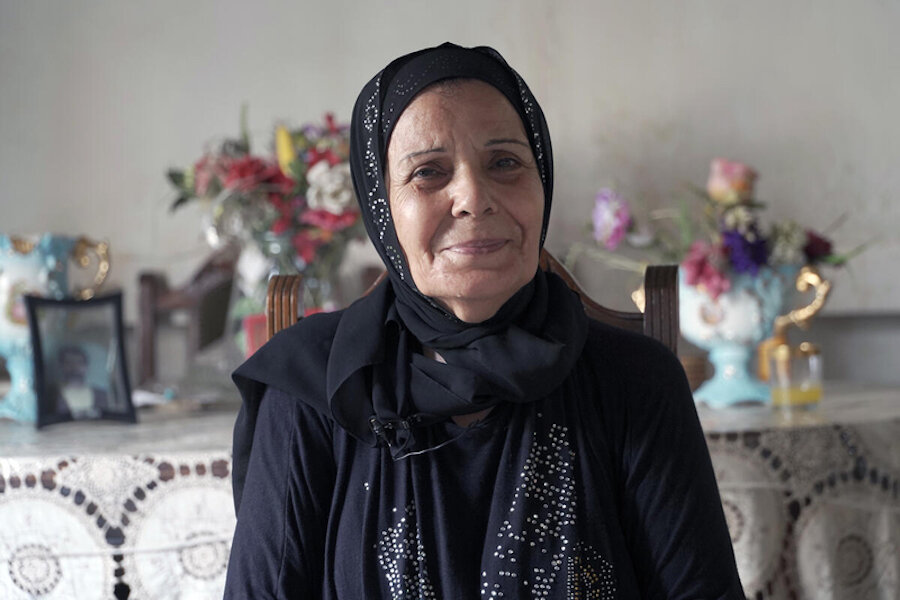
(80, 371)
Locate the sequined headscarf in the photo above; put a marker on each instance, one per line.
(521, 353)
(384, 99)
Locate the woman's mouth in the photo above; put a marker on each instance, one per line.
(479, 246)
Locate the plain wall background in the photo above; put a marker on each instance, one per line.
(99, 98)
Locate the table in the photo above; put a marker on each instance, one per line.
(811, 498)
(104, 510)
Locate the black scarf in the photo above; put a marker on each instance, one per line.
(378, 385)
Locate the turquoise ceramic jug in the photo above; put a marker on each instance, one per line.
(36, 265)
(741, 321)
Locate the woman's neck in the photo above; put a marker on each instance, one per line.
(461, 420)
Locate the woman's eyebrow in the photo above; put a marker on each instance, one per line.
(491, 142)
(412, 155)
(497, 141)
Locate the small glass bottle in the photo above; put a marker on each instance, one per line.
(796, 376)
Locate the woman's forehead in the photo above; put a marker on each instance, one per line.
(443, 108)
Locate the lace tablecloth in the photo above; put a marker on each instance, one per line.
(102, 510)
(812, 498)
(105, 510)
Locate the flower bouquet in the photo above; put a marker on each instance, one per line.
(292, 210)
(721, 237)
(735, 273)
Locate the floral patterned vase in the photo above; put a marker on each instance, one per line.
(730, 327)
(274, 255)
(36, 265)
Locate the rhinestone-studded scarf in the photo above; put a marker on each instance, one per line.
(519, 355)
(384, 99)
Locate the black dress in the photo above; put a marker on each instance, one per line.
(603, 489)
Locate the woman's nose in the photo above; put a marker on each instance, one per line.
(472, 195)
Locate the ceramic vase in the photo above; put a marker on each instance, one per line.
(730, 327)
(36, 265)
(270, 255)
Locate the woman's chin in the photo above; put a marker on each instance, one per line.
(478, 295)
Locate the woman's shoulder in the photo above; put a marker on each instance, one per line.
(294, 361)
(636, 372)
(316, 330)
(308, 340)
(627, 353)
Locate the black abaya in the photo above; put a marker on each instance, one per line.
(603, 489)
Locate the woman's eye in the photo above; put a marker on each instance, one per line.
(425, 173)
(506, 163)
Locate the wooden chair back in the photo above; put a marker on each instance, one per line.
(658, 320)
(204, 299)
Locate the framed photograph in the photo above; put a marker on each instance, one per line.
(80, 371)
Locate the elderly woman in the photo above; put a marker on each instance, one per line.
(464, 430)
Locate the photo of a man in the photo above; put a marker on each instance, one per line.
(75, 395)
(80, 369)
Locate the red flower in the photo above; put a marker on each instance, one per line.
(316, 155)
(281, 225)
(329, 121)
(817, 247)
(280, 182)
(306, 244)
(329, 221)
(701, 269)
(249, 172)
(245, 173)
(203, 175)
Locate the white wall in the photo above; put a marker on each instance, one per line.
(98, 98)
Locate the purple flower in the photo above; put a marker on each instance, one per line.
(312, 131)
(746, 253)
(611, 218)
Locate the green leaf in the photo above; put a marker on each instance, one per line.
(610, 259)
(175, 177)
(214, 189)
(669, 247)
(754, 204)
(685, 227)
(180, 201)
(245, 129)
(839, 260)
(698, 191)
(298, 173)
(837, 223)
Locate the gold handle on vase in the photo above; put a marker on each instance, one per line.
(80, 254)
(808, 277)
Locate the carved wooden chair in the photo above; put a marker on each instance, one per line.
(659, 318)
(204, 298)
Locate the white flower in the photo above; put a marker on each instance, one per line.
(252, 267)
(739, 219)
(787, 242)
(330, 188)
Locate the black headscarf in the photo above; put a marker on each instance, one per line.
(378, 385)
(387, 95)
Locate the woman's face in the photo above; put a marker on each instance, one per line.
(465, 196)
